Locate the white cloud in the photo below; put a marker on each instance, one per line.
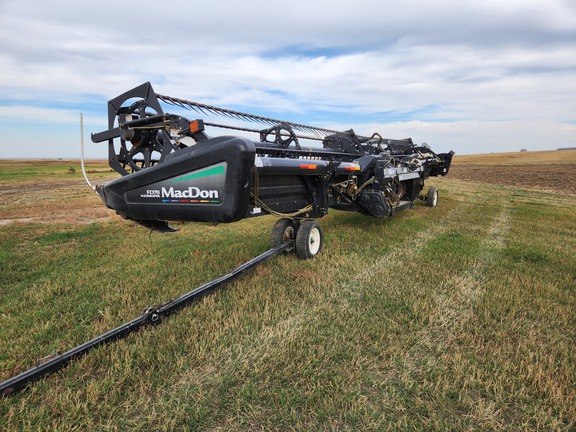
(481, 71)
(35, 117)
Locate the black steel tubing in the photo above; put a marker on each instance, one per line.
(150, 316)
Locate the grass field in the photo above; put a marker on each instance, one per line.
(459, 317)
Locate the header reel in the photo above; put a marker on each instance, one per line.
(140, 134)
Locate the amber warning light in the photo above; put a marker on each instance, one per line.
(196, 126)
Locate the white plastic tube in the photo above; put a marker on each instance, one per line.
(82, 152)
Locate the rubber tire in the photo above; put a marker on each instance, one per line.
(432, 197)
(308, 239)
(283, 230)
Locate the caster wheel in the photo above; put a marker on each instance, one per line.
(432, 197)
(308, 239)
(283, 230)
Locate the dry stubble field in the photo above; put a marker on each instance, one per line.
(550, 171)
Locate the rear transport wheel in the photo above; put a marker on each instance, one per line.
(432, 197)
(283, 230)
(308, 239)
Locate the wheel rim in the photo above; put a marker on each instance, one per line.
(314, 241)
(288, 234)
(435, 199)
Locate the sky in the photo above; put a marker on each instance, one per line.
(474, 76)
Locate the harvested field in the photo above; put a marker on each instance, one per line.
(553, 171)
(47, 191)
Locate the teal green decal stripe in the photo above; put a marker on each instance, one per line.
(217, 170)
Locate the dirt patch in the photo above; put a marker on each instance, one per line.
(48, 201)
(559, 178)
(550, 157)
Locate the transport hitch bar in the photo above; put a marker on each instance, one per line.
(153, 315)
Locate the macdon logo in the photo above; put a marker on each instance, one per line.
(191, 192)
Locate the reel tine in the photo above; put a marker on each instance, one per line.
(212, 111)
(199, 108)
(225, 113)
(192, 107)
(180, 104)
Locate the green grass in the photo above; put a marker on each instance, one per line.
(459, 317)
(27, 170)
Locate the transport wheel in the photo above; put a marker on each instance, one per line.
(283, 230)
(432, 197)
(308, 239)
